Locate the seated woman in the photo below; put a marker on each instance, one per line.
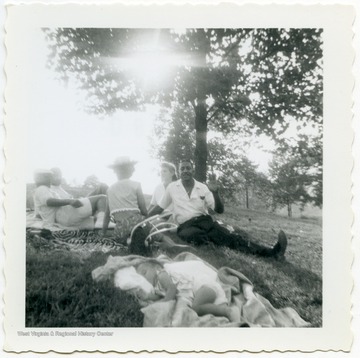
(193, 281)
(167, 175)
(125, 200)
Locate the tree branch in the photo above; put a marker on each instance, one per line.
(213, 114)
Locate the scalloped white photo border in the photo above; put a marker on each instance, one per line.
(337, 22)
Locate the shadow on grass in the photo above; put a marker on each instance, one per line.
(304, 293)
(304, 280)
(60, 292)
(302, 277)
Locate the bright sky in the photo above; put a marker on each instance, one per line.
(62, 135)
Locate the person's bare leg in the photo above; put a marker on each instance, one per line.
(98, 203)
(203, 304)
(98, 206)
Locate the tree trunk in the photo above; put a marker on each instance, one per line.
(247, 196)
(289, 209)
(201, 152)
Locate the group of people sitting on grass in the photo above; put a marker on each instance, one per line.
(122, 206)
(187, 202)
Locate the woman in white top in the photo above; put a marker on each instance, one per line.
(167, 175)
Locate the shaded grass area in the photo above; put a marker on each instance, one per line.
(61, 293)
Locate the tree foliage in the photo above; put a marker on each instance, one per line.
(290, 183)
(302, 155)
(245, 183)
(91, 182)
(175, 135)
(268, 76)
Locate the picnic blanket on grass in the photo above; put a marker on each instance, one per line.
(42, 236)
(34, 222)
(255, 310)
(76, 240)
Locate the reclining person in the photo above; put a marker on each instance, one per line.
(194, 282)
(192, 201)
(54, 205)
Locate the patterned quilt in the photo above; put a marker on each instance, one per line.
(74, 240)
(45, 237)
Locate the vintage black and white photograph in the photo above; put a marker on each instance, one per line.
(173, 177)
(198, 150)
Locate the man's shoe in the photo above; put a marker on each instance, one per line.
(281, 245)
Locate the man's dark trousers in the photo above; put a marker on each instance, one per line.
(203, 229)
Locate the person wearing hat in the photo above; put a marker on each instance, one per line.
(57, 207)
(125, 200)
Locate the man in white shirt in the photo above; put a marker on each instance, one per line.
(192, 201)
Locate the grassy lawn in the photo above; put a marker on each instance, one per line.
(61, 293)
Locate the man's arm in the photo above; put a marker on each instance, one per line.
(155, 211)
(62, 202)
(141, 201)
(219, 205)
(165, 201)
